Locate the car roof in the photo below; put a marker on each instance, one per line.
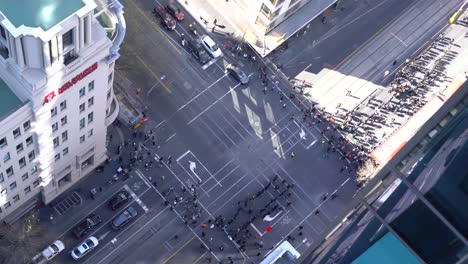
(208, 40)
(132, 211)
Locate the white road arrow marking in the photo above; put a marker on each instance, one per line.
(271, 218)
(302, 134)
(193, 166)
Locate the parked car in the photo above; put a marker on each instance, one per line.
(90, 222)
(175, 12)
(119, 199)
(211, 47)
(198, 51)
(84, 248)
(236, 71)
(165, 17)
(53, 250)
(125, 217)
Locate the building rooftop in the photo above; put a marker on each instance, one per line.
(39, 13)
(8, 100)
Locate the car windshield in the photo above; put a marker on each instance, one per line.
(123, 196)
(215, 47)
(90, 243)
(127, 213)
(54, 247)
(77, 252)
(90, 221)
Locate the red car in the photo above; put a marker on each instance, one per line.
(175, 12)
(165, 17)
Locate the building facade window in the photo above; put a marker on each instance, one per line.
(57, 156)
(19, 147)
(82, 107)
(25, 176)
(6, 157)
(33, 169)
(1, 178)
(10, 171)
(12, 186)
(82, 92)
(265, 10)
(55, 127)
(27, 125)
(3, 142)
(4, 191)
(53, 112)
(82, 139)
(16, 198)
(90, 133)
(56, 142)
(35, 183)
(90, 117)
(27, 189)
(22, 162)
(90, 101)
(6, 205)
(109, 78)
(65, 151)
(64, 135)
(63, 120)
(82, 123)
(16, 132)
(63, 105)
(31, 155)
(90, 86)
(29, 140)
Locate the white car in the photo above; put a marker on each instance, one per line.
(84, 248)
(211, 47)
(53, 250)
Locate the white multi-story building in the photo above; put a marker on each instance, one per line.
(56, 95)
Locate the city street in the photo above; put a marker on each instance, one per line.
(220, 171)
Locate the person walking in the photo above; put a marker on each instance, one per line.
(293, 154)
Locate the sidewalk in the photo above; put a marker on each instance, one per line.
(356, 92)
(229, 14)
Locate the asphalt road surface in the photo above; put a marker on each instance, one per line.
(228, 141)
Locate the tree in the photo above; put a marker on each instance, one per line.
(22, 240)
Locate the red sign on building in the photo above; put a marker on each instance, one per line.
(49, 97)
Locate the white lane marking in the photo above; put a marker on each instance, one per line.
(143, 178)
(136, 198)
(131, 236)
(215, 102)
(402, 42)
(173, 135)
(256, 229)
(191, 100)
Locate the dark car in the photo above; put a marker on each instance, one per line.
(175, 12)
(124, 218)
(89, 223)
(119, 199)
(198, 51)
(165, 17)
(236, 71)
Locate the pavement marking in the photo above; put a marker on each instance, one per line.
(215, 102)
(136, 198)
(202, 256)
(256, 229)
(143, 178)
(211, 62)
(227, 175)
(179, 249)
(173, 135)
(94, 209)
(200, 93)
(154, 74)
(225, 165)
(156, 27)
(332, 71)
(130, 237)
(402, 42)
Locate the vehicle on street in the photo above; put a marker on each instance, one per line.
(211, 47)
(89, 223)
(198, 51)
(53, 250)
(175, 12)
(119, 199)
(237, 72)
(125, 217)
(165, 17)
(84, 248)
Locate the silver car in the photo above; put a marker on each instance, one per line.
(84, 248)
(211, 47)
